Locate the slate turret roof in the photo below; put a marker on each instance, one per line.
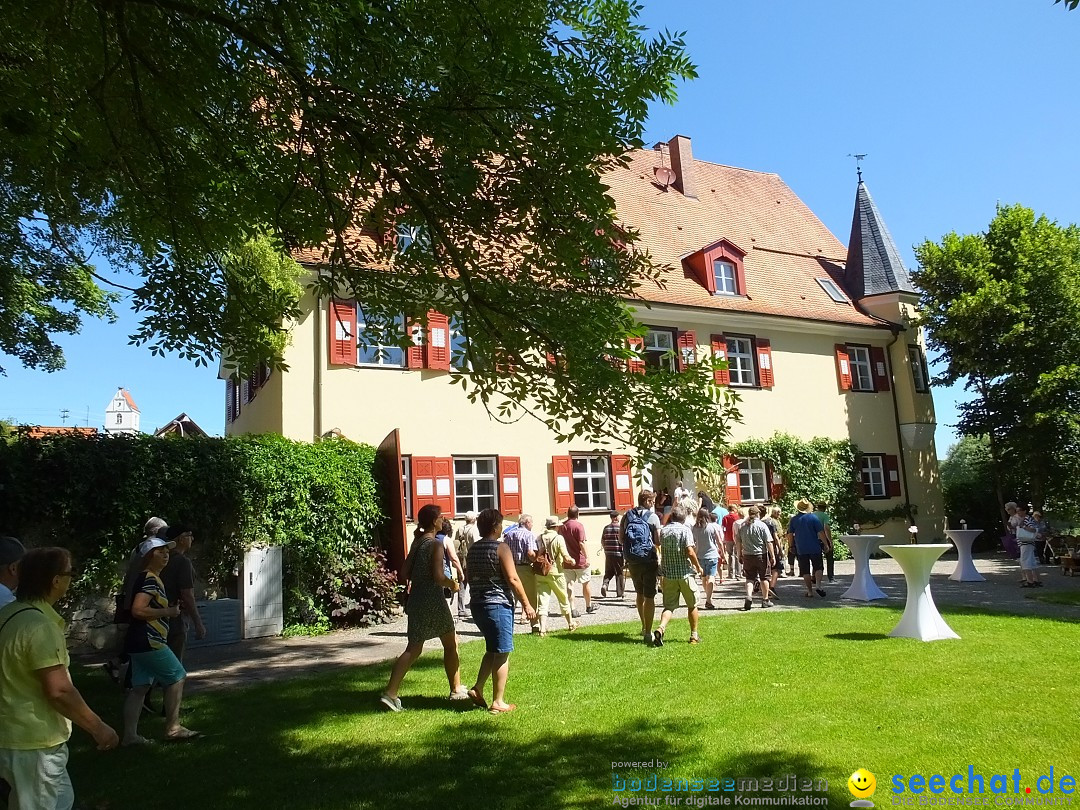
(874, 265)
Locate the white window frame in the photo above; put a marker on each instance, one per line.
(474, 500)
(406, 480)
(862, 369)
(597, 474)
(409, 235)
(872, 474)
(725, 275)
(753, 480)
(656, 355)
(919, 374)
(742, 361)
(382, 357)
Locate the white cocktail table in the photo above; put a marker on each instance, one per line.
(965, 566)
(863, 586)
(921, 619)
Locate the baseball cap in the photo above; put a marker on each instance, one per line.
(11, 550)
(146, 546)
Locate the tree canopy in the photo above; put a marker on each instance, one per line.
(163, 136)
(1003, 309)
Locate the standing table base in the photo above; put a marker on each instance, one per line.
(965, 566)
(863, 586)
(921, 619)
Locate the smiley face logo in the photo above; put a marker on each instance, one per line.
(862, 785)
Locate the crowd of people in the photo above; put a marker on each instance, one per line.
(38, 701)
(662, 550)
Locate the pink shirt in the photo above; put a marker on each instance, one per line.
(573, 531)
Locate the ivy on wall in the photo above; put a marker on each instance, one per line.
(318, 501)
(820, 470)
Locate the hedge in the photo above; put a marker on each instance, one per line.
(318, 501)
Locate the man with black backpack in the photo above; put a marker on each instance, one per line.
(640, 533)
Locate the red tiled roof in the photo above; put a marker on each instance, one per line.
(129, 400)
(787, 247)
(41, 431)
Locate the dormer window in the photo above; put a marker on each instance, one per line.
(718, 268)
(725, 278)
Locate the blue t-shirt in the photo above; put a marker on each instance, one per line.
(805, 526)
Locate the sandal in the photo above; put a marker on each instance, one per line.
(477, 698)
(509, 707)
(136, 742)
(183, 735)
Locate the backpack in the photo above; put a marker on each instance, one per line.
(639, 539)
(541, 562)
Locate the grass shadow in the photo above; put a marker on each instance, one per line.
(858, 636)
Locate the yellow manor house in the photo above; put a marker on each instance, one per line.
(817, 337)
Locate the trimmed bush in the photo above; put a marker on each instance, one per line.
(318, 501)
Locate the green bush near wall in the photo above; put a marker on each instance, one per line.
(318, 501)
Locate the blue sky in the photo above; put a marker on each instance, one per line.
(958, 106)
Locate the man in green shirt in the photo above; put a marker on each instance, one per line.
(38, 701)
(821, 509)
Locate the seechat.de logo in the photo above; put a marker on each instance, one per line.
(862, 785)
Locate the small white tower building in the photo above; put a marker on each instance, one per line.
(122, 414)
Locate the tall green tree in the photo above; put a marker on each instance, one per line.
(1003, 309)
(163, 135)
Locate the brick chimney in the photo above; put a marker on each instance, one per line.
(682, 163)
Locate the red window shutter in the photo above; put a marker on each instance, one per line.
(342, 339)
(843, 367)
(764, 361)
(510, 485)
(414, 354)
(740, 276)
(437, 346)
(881, 370)
(732, 494)
(562, 482)
(686, 348)
(892, 475)
(444, 484)
(636, 366)
(776, 483)
(622, 482)
(423, 482)
(722, 376)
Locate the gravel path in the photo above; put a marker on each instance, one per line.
(258, 660)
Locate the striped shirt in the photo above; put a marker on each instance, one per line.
(144, 636)
(610, 540)
(675, 539)
(487, 584)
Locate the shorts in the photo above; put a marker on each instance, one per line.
(756, 567)
(673, 588)
(157, 666)
(38, 777)
(808, 563)
(708, 567)
(496, 623)
(576, 575)
(644, 574)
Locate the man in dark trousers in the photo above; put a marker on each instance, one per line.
(179, 580)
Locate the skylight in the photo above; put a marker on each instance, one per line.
(829, 286)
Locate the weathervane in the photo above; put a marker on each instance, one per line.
(858, 162)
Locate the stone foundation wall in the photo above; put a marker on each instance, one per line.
(91, 628)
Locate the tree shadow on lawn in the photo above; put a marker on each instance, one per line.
(858, 636)
(523, 760)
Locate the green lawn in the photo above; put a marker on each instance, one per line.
(816, 693)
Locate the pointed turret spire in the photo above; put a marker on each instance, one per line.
(874, 265)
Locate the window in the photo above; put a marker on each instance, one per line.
(829, 286)
(741, 361)
(862, 375)
(406, 484)
(119, 419)
(458, 344)
(660, 348)
(753, 483)
(374, 351)
(873, 476)
(474, 484)
(591, 482)
(918, 369)
(725, 277)
(409, 235)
